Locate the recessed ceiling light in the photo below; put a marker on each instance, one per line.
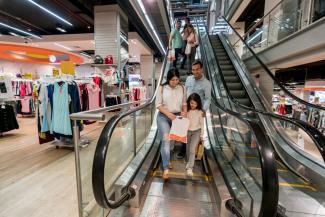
(29, 30)
(61, 29)
(89, 27)
(50, 12)
(60, 45)
(19, 30)
(14, 34)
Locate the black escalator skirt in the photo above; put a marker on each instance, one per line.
(230, 75)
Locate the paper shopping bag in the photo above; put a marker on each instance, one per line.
(171, 55)
(178, 131)
(199, 150)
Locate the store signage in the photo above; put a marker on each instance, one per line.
(28, 75)
(68, 67)
(56, 72)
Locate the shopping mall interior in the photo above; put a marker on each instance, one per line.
(82, 96)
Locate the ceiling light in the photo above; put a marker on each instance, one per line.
(61, 29)
(150, 24)
(14, 34)
(19, 30)
(60, 45)
(50, 12)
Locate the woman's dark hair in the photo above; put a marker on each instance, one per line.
(170, 74)
(195, 97)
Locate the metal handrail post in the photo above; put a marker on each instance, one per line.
(77, 159)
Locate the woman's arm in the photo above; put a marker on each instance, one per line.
(165, 111)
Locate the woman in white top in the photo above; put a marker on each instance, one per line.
(195, 130)
(192, 43)
(170, 101)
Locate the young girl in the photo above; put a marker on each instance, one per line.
(195, 131)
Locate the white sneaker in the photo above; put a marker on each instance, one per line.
(189, 172)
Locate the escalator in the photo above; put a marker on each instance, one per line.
(224, 182)
(301, 174)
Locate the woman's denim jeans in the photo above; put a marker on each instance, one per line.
(164, 124)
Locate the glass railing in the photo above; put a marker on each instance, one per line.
(230, 6)
(132, 134)
(237, 141)
(286, 18)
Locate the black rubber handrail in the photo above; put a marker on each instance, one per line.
(317, 137)
(270, 186)
(98, 170)
(271, 74)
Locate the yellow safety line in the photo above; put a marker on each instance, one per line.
(303, 181)
(178, 161)
(279, 170)
(286, 184)
(155, 173)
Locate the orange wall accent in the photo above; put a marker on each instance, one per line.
(31, 54)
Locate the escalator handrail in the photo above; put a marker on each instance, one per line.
(271, 74)
(317, 137)
(98, 169)
(270, 187)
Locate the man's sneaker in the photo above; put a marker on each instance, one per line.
(189, 172)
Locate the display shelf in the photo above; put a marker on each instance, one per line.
(104, 65)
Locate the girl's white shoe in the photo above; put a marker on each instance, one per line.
(189, 172)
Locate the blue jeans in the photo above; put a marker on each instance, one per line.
(164, 124)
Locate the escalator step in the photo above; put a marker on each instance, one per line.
(235, 86)
(229, 72)
(225, 62)
(244, 101)
(238, 93)
(222, 57)
(231, 79)
(220, 50)
(226, 67)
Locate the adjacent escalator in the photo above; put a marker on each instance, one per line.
(300, 175)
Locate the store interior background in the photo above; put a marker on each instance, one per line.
(298, 63)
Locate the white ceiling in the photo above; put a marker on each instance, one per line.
(76, 43)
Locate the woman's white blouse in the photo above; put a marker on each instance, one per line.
(171, 98)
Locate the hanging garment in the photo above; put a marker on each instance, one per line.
(44, 109)
(7, 118)
(60, 114)
(93, 93)
(25, 106)
(22, 89)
